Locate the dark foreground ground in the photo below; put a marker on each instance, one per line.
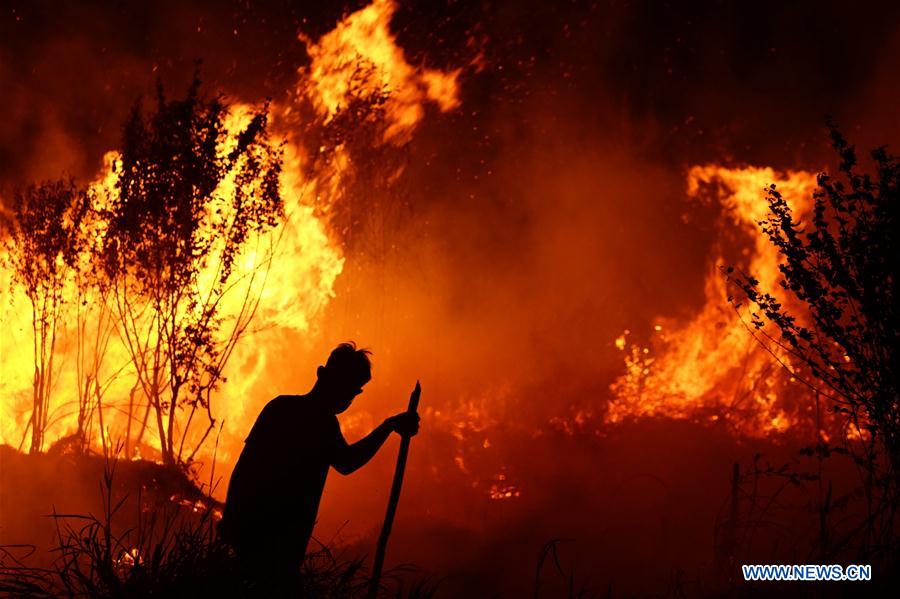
(647, 509)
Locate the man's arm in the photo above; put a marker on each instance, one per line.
(350, 458)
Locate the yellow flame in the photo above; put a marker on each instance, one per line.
(292, 268)
(361, 57)
(710, 367)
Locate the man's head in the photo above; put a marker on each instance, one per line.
(345, 373)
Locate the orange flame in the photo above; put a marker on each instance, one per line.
(710, 368)
(292, 269)
(361, 56)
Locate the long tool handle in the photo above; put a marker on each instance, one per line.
(394, 499)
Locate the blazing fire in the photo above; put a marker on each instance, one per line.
(542, 212)
(710, 368)
(288, 272)
(361, 57)
(707, 369)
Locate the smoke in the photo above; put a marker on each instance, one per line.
(697, 82)
(530, 226)
(555, 217)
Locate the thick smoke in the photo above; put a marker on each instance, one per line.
(529, 228)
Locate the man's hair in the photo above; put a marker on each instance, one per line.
(347, 359)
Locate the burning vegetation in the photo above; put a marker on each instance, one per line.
(616, 343)
(142, 284)
(709, 368)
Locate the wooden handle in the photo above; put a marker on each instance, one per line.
(393, 500)
(414, 398)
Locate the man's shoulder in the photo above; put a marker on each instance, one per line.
(293, 406)
(285, 401)
(279, 412)
(278, 408)
(285, 397)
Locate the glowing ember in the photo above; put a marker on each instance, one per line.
(500, 492)
(129, 559)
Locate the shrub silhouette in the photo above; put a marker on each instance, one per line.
(841, 333)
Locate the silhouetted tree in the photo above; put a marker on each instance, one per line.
(190, 194)
(43, 245)
(94, 325)
(841, 328)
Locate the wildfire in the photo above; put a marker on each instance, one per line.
(710, 368)
(361, 57)
(292, 269)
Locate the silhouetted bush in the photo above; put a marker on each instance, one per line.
(840, 329)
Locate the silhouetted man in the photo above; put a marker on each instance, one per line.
(274, 493)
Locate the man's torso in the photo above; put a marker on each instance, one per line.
(278, 480)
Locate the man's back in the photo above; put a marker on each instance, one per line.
(278, 480)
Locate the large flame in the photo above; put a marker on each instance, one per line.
(361, 57)
(710, 368)
(292, 268)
